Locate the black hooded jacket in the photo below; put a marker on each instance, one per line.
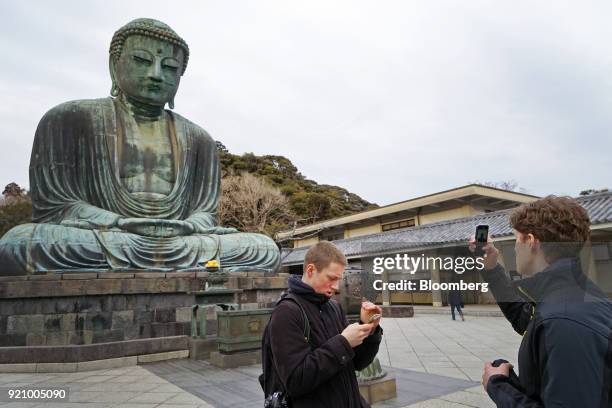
(320, 373)
(565, 358)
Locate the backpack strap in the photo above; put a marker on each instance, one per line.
(292, 297)
(336, 307)
(340, 318)
(269, 380)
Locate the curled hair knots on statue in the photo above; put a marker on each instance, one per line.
(150, 28)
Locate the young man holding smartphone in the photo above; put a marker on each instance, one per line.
(565, 357)
(313, 357)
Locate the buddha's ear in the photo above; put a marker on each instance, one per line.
(113, 73)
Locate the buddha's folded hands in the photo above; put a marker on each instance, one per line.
(157, 228)
(220, 231)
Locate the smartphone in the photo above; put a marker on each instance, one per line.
(482, 233)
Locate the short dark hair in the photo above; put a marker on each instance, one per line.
(560, 223)
(322, 254)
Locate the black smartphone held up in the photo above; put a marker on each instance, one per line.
(482, 233)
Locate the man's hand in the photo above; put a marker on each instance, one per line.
(355, 333)
(156, 228)
(368, 310)
(489, 370)
(490, 252)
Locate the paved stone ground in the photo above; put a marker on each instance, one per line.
(438, 363)
(438, 345)
(128, 387)
(435, 344)
(239, 388)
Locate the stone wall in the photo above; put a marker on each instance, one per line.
(89, 308)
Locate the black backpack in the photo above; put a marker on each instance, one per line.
(275, 393)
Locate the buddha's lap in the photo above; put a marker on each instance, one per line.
(53, 238)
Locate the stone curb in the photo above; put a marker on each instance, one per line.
(92, 365)
(133, 274)
(85, 353)
(79, 284)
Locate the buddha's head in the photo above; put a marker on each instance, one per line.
(147, 59)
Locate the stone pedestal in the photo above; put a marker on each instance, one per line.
(81, 309)
(241, 330)
(239, 336)
(397, 311)
(201, 348)
(217, 296)
(379, 390)
(208, 302)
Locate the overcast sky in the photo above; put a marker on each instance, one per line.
(389, 99)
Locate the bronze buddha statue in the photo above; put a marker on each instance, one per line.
(121, 183)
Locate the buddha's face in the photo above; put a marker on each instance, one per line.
(149, 70)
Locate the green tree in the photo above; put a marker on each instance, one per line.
(591, 191)
(316, 206)
(15, 207)
(308, 200)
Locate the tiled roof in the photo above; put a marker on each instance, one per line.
(599, 207)
(458, 193)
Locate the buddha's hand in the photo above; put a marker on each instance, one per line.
(219, 231)
(156, 228)
(81, 224)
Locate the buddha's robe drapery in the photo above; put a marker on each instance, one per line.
(78, 197)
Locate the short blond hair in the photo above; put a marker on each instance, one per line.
(322, 254)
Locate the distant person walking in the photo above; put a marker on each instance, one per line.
(454, 300)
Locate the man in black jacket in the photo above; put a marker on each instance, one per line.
(565, 357)
(319, 371)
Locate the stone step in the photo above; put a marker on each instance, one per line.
(92, 352)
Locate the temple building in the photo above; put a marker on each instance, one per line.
(439, 225)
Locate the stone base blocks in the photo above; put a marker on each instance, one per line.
(398, 311)
(55, 309)
(200, 348)
(379, 390)
(168, 355)
(93, 356)
(239, 359)
(239, 336)
(241, 330)
(68, 321)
